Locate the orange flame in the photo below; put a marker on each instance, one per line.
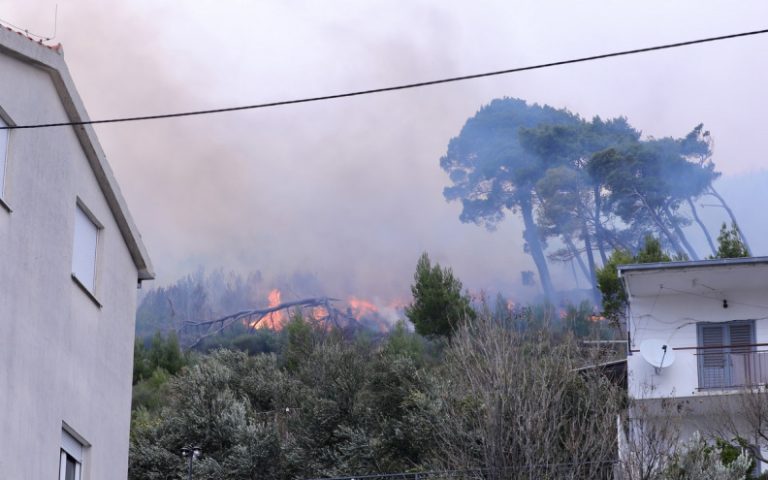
(274, 320)
(360, 308)
(319, 313)
(356, 308)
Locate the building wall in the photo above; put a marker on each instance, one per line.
(673, 319)
(64, 358)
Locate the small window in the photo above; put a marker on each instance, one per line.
(71, 458)
(4, 135)
(727, 356)
(84, 255)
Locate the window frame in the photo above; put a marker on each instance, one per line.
(72, 449)
(5, 155)
(90, 290)
(63, 466)
(726, 349)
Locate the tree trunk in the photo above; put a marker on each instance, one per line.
(613, 241)
(531, 236)
(714, 193)
(591, 262)
(575, 252)
(599, 234)
(701, 225)
(660, 223)
(680, 234)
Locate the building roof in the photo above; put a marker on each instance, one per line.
(51, 60)
(693, 264)
(57, 48)
(701, 277)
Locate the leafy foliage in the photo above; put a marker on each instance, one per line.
(596, 185)
(438, 303)
(154, 363)
(162, 353)
(701, 461)
(329, 406)
(730, 243)
(611, 288)
(493, 173)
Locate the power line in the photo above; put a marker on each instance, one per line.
(394, 88)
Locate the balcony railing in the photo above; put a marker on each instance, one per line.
(720, 368)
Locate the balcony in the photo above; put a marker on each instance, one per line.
(725, 368)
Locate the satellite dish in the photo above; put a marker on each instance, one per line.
(657, 353)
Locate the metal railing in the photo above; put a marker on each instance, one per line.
(596, 470)
(726, 368)
(436, 475)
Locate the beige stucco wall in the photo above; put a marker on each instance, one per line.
(62, 357)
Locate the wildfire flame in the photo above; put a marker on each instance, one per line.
(356, 308)
(274, 320)
(320, 313)
(359, 308)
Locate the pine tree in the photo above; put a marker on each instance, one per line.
(438, 303)
(609, 284)
(730, 244)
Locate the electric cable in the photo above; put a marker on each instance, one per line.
(392, 88)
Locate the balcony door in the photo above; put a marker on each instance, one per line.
(725, 353)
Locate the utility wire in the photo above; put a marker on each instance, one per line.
(394, 88)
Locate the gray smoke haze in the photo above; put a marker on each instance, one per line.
(350, 191)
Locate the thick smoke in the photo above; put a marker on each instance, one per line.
(349, 192)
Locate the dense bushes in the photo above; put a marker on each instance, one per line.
(326, 406)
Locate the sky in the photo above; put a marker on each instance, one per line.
(350, 191)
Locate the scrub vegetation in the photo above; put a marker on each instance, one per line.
(474, 388)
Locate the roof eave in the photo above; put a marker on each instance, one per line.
(51, 60)
(642, 267)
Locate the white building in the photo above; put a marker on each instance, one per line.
(712, 317)
(70, 261)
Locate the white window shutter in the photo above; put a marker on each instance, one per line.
(84, 255)
(70, 445)
(4, 134)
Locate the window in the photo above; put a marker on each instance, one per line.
(84, 255)
(71, 458)
(4, 135)
(727, 356)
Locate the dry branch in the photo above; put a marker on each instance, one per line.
(254, 316)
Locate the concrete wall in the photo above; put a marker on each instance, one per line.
(672, 397)
(673, 319)
(673, 428)
(63, 357)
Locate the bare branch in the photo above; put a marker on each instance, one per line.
(254, 316)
